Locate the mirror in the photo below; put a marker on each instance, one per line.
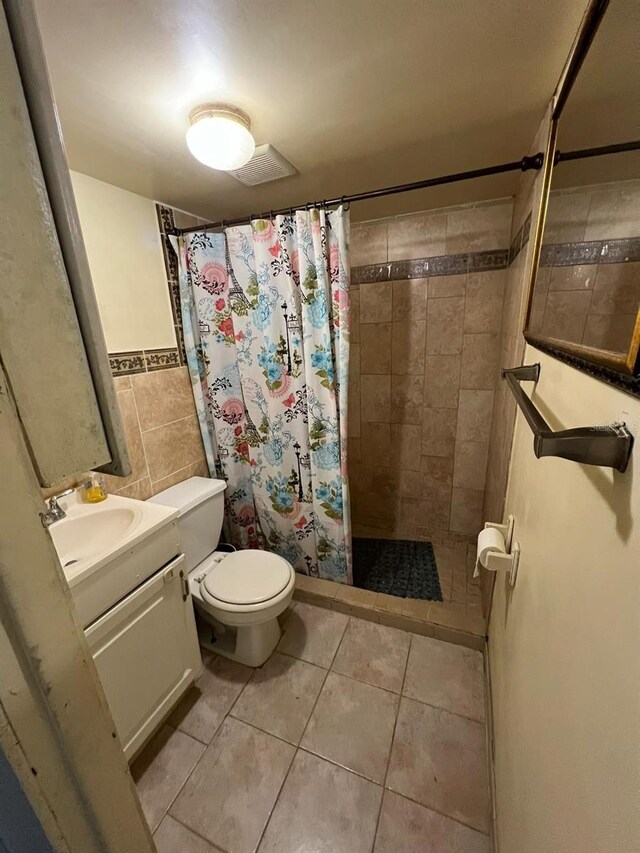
(586, 294)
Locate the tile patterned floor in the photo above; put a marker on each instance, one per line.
(353, 737)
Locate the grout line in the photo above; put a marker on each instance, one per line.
(296, 750)
(344, 631)
(393, 737)
(144, 449)
(367, 683)
(173, 473)
(244, 686)
(306, 726)
(177, 420)
(277, 797)
(215, 847)
(445, 710)
(490, 747)
(334, 763)
(129, 485)
(304, 660)
(437, 811)
(260, 729)
(206, 746)
(404, 678)
(178, 792)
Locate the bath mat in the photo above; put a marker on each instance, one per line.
(397, 567)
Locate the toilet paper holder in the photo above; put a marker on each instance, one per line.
(509, 561)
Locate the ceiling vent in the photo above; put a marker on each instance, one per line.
(267, 164)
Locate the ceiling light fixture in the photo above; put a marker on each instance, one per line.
(220, 136)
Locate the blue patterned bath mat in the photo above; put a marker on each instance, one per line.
(397, 567)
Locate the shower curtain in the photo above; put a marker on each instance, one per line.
(265, 312)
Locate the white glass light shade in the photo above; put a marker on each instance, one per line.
(220, 138)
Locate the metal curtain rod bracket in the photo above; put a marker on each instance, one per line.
(608, 446)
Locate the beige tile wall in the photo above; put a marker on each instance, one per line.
(423, 370)
(592, 304)
(162, 432)
(598, 212)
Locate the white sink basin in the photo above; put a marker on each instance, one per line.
(77, 538)
(109, 548)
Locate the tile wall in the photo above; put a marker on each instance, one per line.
(428, 293)
(588, 286)
(161, 430)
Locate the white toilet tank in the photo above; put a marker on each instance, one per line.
(201, 505)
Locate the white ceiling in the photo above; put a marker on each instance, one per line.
(356, 93)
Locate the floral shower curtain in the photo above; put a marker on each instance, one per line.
(266, 324)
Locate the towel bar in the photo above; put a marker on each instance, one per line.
(608, 446)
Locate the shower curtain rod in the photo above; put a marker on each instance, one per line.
(528, 162)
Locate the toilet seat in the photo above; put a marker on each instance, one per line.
(247, 578)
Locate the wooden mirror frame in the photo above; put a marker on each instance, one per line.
(620, 369)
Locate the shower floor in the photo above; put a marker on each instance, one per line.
(396, 567)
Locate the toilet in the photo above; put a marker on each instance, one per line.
(238, 596)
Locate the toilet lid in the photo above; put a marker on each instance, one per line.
(248, 577)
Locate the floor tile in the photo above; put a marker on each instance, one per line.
(230, 795)
(205, 706)
(322, 808)
(447, 676)
(352, 725)
(173, 837)
(161, 769)
(406, 827)
(280, 696)
(439, 760)
(313, 634)
(373, 653)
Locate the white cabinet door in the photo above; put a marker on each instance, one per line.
(146, 652)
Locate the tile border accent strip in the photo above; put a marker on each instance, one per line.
(143, 361)
(623, 250)
(521, 239)
(166, 221)
(615, 251)
(493, 259)
(464, 262)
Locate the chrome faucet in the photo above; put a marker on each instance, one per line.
(54, 510)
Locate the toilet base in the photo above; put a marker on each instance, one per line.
(250, 645)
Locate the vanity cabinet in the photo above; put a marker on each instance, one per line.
(145, 649)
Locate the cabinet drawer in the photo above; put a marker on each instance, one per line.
(146, 653)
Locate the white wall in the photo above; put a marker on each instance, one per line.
(121, 236)
(564, 644)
